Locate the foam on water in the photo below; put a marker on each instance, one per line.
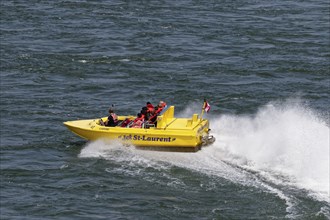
(281, 139)
(283, 144)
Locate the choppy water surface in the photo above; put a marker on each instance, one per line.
(263, 66)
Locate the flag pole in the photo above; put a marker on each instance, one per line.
(203, 110)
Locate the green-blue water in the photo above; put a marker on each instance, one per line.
(262, 65)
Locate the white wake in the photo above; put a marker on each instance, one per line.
(285, 144)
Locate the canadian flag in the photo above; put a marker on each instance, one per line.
(207, 107)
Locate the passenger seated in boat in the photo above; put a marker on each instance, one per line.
(161, 105)
(112, 120)
(150, 107)
(144, 113)
(137, 123)
(125, 123)
(152, 120)
(153, 116)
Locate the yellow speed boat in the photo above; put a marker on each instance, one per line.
(170, 133)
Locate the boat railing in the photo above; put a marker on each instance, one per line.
(130, 124)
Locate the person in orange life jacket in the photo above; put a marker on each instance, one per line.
(137, 123)
(160, 106)
(112, 120)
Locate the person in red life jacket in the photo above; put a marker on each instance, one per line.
(137, 123)
(112, 120)
(125, 122)
(153, 116)
(150, 107)
(145, 113)
(158, 109)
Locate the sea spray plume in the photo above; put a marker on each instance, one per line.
(288, 139)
